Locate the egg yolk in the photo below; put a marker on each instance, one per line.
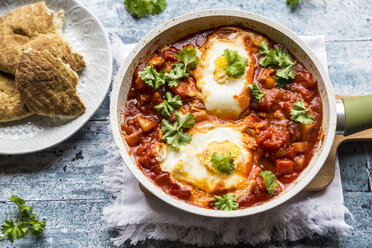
(219, 73)
(221, 148)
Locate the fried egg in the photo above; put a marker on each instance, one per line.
(224, 96)
(192, 165)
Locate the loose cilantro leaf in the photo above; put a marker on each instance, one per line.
(270, 182)
(151, 77)
(292, 3)
(236, 63)
(173, 77)
(141, 8)
(257, 93)
(189, 58)
(169, 105)
(20, 203)
(226, 202)
(280, 59)
(37, 227)
(224, 164)
(174, 133)
(300, 114)
(11, 230)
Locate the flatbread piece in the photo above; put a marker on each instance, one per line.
(47, 85)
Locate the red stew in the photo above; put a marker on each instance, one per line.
(285, 147)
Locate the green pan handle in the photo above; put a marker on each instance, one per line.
(358, 113)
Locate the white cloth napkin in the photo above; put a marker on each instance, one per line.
(138, 217)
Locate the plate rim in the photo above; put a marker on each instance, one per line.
(82, 123)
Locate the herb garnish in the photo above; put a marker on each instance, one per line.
(141, 8)
(236, 63)
(169, 105)
(257, 93)
(300, 113)
(293, 3)
(151, 77)
(270, 182)
(26, 222)
(223, 163)
(174, 133)
(180, 70)
(226, 202)
(280, 59)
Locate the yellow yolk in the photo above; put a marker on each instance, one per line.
(222, 148)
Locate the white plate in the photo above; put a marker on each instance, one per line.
(88, 37)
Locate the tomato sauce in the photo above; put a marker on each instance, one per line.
(285, 147)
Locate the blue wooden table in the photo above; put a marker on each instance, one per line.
(65, 184)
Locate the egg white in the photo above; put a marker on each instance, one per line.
(187, 164)
(221, 99)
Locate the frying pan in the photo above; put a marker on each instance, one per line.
(345, 116)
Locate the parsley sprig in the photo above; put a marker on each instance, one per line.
(26, 222)
(226, 202)
(300, 113)
(151, 77)
(294, 3)
(141, 8)
(174, 133)
(169, 105)
(223, 163)
(269, 179)
(257, 93)
(236, 63)
(280, 59)
(180, 70)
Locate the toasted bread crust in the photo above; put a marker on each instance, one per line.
(47, 85)
(12, 107)
(34, 26)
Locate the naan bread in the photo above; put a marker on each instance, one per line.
(34, 26)
(47, 85)
(11, 106)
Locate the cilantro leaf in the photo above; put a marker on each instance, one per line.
(300, 114)
(20, 204)
(189, 58)
(257, 93)
(169, 105)
(173, 77)
(37, 227)
(174, 133)
(11, 230)
(151, 77)
(224, 164)
(270, 182)
(280, 59)
(226, 202)
(141, 8)
(292, 3)
(236, 63)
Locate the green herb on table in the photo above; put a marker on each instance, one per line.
(174, 133)
(142, 8)
(257, 93)
(223, 163)
(280, 59)
(293, 3)
(26, 222)
(169, 105)
(151, 77)
(300, 113)
(269, 179)
(236, 63)
(226, 202)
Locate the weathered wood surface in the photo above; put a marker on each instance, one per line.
(64, 184)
